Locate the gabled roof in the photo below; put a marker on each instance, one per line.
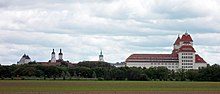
(186, 48)
(24, 55)
(177, 41)
(152, 57)
(199, 59)
(27, 57)
(186, 37)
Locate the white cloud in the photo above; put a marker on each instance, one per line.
(119, 27)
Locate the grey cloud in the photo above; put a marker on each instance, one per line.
(119, 27)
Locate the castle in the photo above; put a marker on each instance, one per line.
(183, 56)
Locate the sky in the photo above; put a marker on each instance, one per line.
(81, 28)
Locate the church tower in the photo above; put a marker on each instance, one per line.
(101, 57)
(53, 57)
(60, 55)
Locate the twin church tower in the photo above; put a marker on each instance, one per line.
(60, 55)
(53, 56)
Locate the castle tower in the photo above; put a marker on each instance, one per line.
(101, 57)
(60, 55)
(186, 52)
(176, 45)
(53, 57)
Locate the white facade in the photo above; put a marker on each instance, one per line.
(186, 60)
(200, 65)
(169, 65)
(25, 59)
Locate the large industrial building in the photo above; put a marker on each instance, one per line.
(183, 56)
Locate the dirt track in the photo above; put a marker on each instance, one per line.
(145, 92)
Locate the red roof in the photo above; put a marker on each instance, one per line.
(186, 37)
(186, 48)
(177, 40)
(152, 57)
(199, 59)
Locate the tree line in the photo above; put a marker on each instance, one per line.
(105, 71)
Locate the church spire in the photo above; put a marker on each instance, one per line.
(101, 52)
(53, 52)
(186, 32)
(101, 57)
(53, 57)
(60, 55)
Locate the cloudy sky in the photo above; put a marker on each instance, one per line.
(119, 27)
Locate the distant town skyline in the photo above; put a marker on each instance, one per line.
(119, 28)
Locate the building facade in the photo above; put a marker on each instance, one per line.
(183, 56)
(25, 59)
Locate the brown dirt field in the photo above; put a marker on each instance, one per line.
(144, 92)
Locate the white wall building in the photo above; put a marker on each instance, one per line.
(25, 59)
(183, 56)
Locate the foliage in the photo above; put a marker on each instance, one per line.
(106, 72)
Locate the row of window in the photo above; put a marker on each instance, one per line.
(187, 53)
(187, 63)
(187, 57)
(167, 66)
(187, 66)
(172, 67)
(164, 63)
(187, 60)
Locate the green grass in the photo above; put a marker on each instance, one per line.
(68, 86)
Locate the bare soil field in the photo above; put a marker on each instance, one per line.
(98, 92)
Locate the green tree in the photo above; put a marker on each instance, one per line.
(181, 75)
(192, 75)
